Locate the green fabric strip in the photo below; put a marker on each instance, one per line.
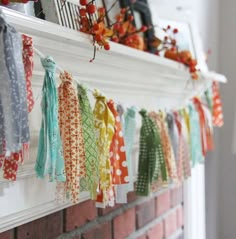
(90, 183)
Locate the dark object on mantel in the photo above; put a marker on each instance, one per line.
(141, 12)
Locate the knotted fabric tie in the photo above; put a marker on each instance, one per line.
(117, 151)
(151, 158)
(166, 145)
(206, 134)
(14, 125)
(70, 124)
(173, 133)
(50, 156)
(90, 144)
(217, 105)
(28, 66)
(104, 126)
(183, 160)
(195, 136)
(129, 129)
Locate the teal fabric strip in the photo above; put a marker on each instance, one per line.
(195, 137)
(50, 158)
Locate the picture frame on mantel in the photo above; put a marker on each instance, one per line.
(178, 15)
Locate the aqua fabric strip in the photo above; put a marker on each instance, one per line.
(49, 158)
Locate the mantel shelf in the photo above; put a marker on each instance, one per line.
(120, 69)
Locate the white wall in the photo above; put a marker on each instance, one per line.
(227, 175)
(206, 14)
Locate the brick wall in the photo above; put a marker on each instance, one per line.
(156, 217)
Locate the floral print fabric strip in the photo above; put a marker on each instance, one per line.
(218, 119)
(72, 137)
(28, 66)
(50, 156)
(104, 126)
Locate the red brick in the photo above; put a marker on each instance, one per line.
(170, 224)
(99, 232)
(131, 196)
(7, 235)
(145, 213)
(75, 237)
(47, 228)
(163, 203)
(124, 224)
(142, 237)
(180, 217)
(176, 196)
(104, 211)
(79, 215)
(156, 232)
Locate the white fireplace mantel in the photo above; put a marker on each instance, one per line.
(127, 75)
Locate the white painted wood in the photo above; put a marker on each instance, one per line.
(127, 75)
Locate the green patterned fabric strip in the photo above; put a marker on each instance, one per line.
(90, 183)
(151, 158)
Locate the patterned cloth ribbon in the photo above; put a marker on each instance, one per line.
(28, 66)
(14, 125)
(166, 145)
(104, 126)
(195, 137)
(151, 159)
(90, 145)
(183, 158)
(118, 160)
(173, 133)
(50, 157)
(70, 124)
(10, 163)
(218, 119)
(206, 134)
(129, 129)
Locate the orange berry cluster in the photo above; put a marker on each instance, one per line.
(92, 21)
(125, 32)
(171, 51)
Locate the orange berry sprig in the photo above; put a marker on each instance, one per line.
(124, 31)
(92, 21)
(171, 51)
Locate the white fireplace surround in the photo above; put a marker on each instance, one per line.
(127, 75)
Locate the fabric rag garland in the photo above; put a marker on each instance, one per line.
(14, 125)
(49, 158)
(85, 150)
